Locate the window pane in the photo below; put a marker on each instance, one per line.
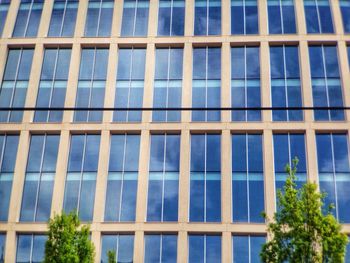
(63, 18)
(247, 248)
(171, 18)
(281, 17)
(30, 248)
(4, 6)
(160, 248)
(318, 16)
(99, 18)
(207, 17)
(204, 248)
(2, 247)
(135, 18)
(244, 17)
(123, 245)
(345, 11)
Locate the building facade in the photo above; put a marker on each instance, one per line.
(168, 185)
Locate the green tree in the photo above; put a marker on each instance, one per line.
(301, 232)
(66, 243)
(111, 256)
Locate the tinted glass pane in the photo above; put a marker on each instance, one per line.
(135, 18)
(244, 17)
(2, 247)
(123, 245)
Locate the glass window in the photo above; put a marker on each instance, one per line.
(244, 17)
(8, 153)
(247, 248)
(286, 148)
(91, 84)
(318, 16)
(205, 178)
(39, 179)
(2, 247)
(53, 84)
(122, 178)
(63, 17)
(245, 83)
(171, 18)
(15, 83)
(30, 248)
(4, 6)
(247, 178)
(345, 11)
(160, 248)
(347, 256)
(285, 83)
(130, 83)
(168, 84)
(206, 83)
(123, 245)
(28, 18)
(204, 248)
(207, 17)
(348, 49)
(334, 172)
(81, 175)
(163, 185)
(325, 80)
(281, 16)
(99, 18)
(135, 18)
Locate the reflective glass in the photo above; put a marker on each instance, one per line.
(206, 83)
(334, 172)
(99, 18)
(2, 247)
(345, 11)
(135, 18)
(204, 249)
(28, 18)
(30, 248)
(171, 18)
(168, 84)
(163, 181)
(81, 175)
(130, 83)
(318, 16)
(244, 17)
(160, 248)
(122, 178)
(123, 245)
(15, 82)
(8, 148)
(247, 178)
(63, 17)
(4, 6)
(245, 83)
(347, 255)
(281, 16)
(207, 17)
(205, 178)
(247, 248)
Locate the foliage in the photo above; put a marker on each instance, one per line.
(66, 243)
(301, 231)
(111, 256)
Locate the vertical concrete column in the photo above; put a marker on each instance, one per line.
(226, 18)
(11, 19)
(72, 83)
(226, 81)
(10, 246)
(102, 174)
(3, 54)
(226, 247)
(34, 80)
(269, 177)
(311, 151)
(45, 18)
(153, 18)
(265, 80)
(110, 82)
(305, 76)
(345, 75)
(263, 17)
(189, 17)
(18, 177)
(149, 78)
(117, 18)
(139, 246)
(187, 82)
(184, 181)
(96, 239)
(182, 246)
(337, 17)
(300, 17)
(81, 17)
(226, 196)
(61, 171)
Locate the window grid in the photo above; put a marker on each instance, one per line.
(176, 26)
(122, 244)
(286, 27)
(167, 249)
(65, 27)
(241, 25)
(324, 22)
(4, 6)
(345, 11)
(102, 22)
(212, 17)
(246, 248)
(139, 25)
(34, 253)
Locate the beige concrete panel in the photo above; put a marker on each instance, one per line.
(96, 239)
(226, 18)
(184, 176)
(306, 80)
(139, 247)
(11, 19)
(182, 247)
(18, 177)
(226, 81)
(117, 18)
(226, 195)
(263, 17)
(61, 171)
(45, 18)
(311, 155)
(226, 247)
(153, 18)
(142, 184)
(3, 55)
(189, 17)
(149, 77)
(10, 247)
(300, 17)
(110, 82)
(102, 174)
(345, 76)
(337, 18)
(269, 178)
(265, 79)
(72, 83)
(187, 82)
(81, 18)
